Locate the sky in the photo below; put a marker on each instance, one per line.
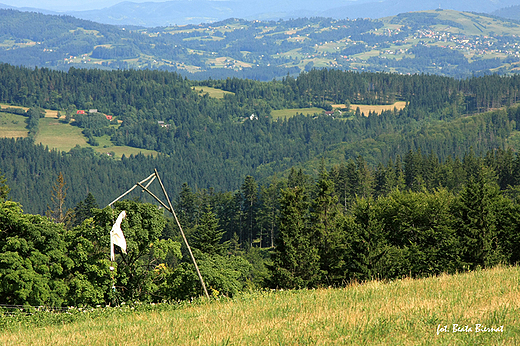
(67, 5)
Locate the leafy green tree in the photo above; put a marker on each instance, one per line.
(143, 269)
(90, 279)
(223, 275)
(33, 258)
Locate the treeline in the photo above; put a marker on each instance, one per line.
(208, 135)
(412, 217)
(168, 96)
(402, 234)
(257, 148)
(257, 204)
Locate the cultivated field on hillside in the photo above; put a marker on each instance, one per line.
(366, 109)
(212, 92)
(287, 113)
(12, 125)
(475, 308)
(60, 136)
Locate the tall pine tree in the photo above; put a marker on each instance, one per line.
(296, 259)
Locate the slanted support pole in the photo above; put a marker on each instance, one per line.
(170, 208)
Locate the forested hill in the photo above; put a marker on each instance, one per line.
(216, 142)
(443, 42)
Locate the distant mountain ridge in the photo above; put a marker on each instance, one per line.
(181, 12)
(446, 42)
(511, 12)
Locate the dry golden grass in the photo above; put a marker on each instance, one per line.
(212, 92)
(291, 112)
(374, 108)
(5, 105)
(402, 312)
(12, 125)
(48, 112)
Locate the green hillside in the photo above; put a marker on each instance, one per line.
(61, 136)
(444, 42)
(401, 312)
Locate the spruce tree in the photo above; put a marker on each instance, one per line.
(207, 234)
(250, 195)
(83, 210)
(326, 220)
(296, 259)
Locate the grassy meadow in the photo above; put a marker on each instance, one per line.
(212, 92)
(12, 125)
(401, 312)
(374, 108)
(60, 136)
(287, 113)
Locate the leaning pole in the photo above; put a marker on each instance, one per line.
(168, 207)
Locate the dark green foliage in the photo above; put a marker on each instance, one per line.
(207, 234)
(478, 211)
(296, 258)
(185, 207)
(4, 188)
(269, 213)
(34, 265)
(208, 135)
(223, 275)
(33, 120)
(90, 281)
(372, 215)
(392, 232)
(83, 210)
(250, 197)
(327, 223)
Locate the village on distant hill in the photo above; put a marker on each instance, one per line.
(443, 42)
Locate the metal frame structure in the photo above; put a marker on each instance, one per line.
(168, 207)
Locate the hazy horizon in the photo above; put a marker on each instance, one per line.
(68, 5)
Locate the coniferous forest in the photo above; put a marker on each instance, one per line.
(305, 201)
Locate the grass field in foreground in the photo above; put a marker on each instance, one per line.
(402, 312)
